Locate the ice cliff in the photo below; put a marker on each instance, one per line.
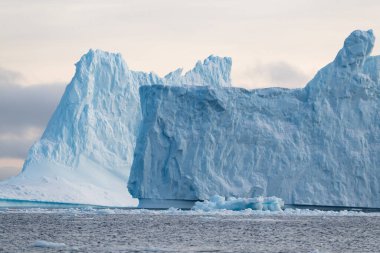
(86, 151)
(318, 145)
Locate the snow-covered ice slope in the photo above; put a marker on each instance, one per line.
(86, 151)
(319, 145)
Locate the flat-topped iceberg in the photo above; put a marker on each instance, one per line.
(86, 151)
(318, 145)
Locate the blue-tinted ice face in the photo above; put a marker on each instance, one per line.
(357, 47)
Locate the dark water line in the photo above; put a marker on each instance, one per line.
(334, 208)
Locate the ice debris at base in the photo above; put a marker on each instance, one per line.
(46, 244)
(238, 204)
(86, 151)
(318, 145)
(175, 211)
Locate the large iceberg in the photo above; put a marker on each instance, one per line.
(86, 151)
(318, 145)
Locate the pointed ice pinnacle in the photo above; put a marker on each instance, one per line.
(357, 47)
(213, 68)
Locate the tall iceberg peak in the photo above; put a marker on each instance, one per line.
(95, 56)
(86, 150)
(352, 67)
(357, 47)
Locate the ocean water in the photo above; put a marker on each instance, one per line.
(117, 230)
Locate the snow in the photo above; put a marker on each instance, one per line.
(237, 204)
(85, 154)
(46, 244)
(313, 146)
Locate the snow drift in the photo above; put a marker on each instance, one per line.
(316, 146)
(86, 151)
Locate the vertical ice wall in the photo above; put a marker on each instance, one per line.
(319, 145)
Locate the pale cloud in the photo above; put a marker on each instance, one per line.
(16, 144)
(279, 74)
(10, 167)
(23, 108)
(8, 77)
(24, 113)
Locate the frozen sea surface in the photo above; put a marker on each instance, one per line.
(115, 230)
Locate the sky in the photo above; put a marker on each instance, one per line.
(272, 43)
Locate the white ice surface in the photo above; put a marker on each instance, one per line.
(86, 151)
(318, 145)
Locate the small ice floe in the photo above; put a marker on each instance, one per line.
(46, 244)
(237, 204)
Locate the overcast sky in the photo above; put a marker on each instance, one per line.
(271, 42)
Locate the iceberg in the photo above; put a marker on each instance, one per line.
(318, 145)
(85, 153)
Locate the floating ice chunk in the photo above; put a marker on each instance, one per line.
(46, 244)
(238, 204)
